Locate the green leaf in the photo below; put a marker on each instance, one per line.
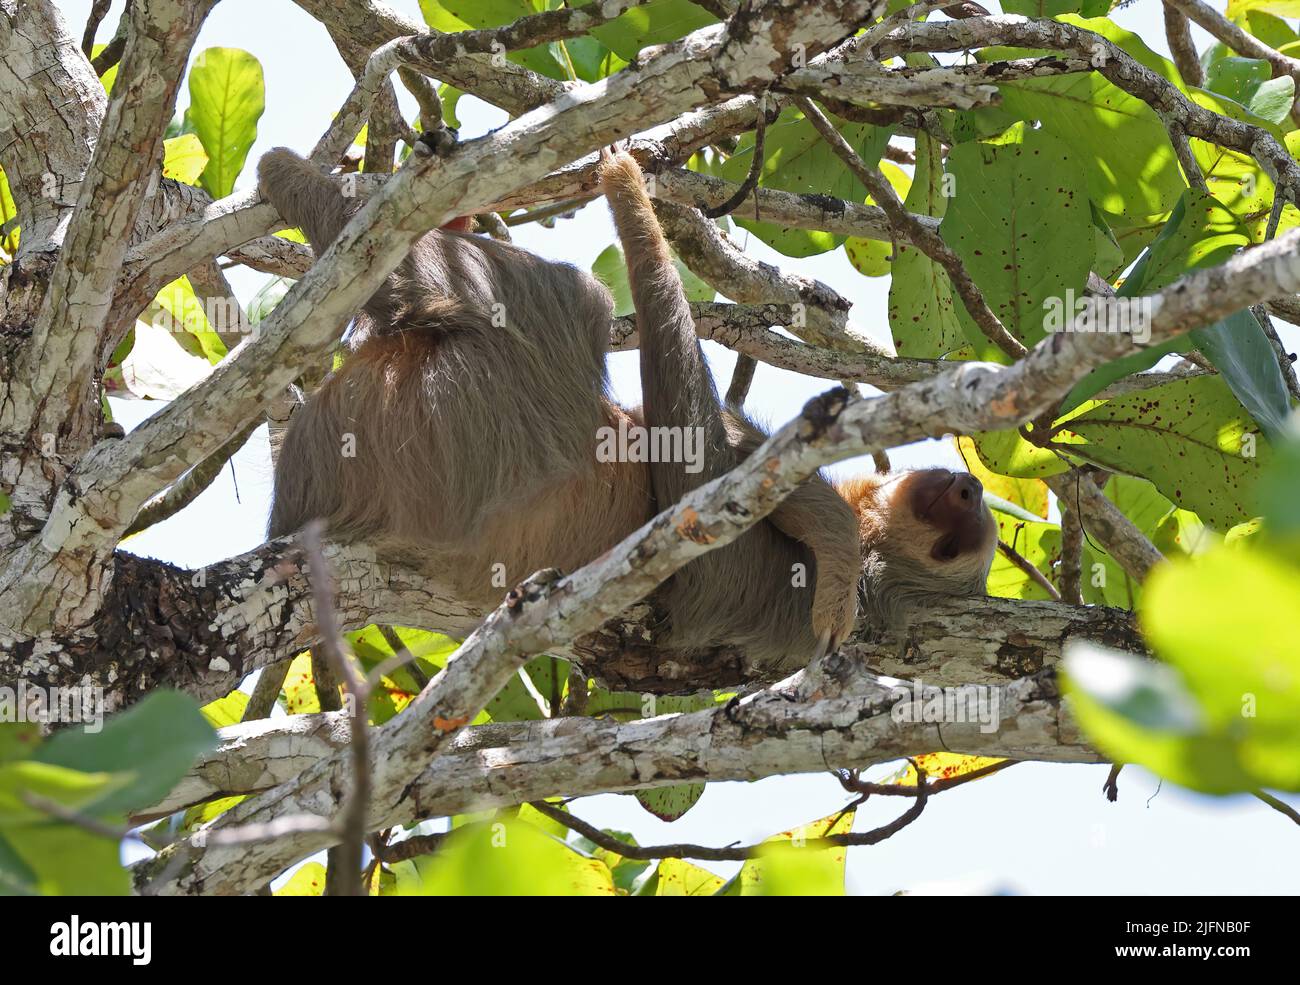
(610, 270)
(184, 158)
(922, 310)
(225, 711)
(65, 860)
(1007, 453)
(1224, 714)
(511, 858)
(178, 310)
(155, 741)
(307, 880)
(69, 787)
(676, 877)
(1017, 222)
(1282, 8)
(1094, 117)
(1190, 437)
(450, 97)
(657, 22)
(17, 739)
(1146, 693)
(1273, 100)
(670, 803)
(798, 160)
(227, 97)
(1277, 489)
(1243, 354)
(870, 257)
(8, 213)
(1237, 78)
(1201, 233)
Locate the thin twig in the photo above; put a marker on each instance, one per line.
(1025, 565)
(751, 179)
(353, 812)
(565, 210)
(1278, 805)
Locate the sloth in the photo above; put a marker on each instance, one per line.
(460, 435)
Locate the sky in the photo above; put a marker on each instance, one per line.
(1036, 828)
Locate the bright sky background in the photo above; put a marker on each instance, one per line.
(1036, 828)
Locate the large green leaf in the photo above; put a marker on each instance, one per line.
(227, 97)
(1278, 501)
(65, 860)
(1095, 118)
(1201, 233)
(1282, 8)
(922, 310)
(1021, 224)
(155, 742)
(1223, 715)
(1190, 438)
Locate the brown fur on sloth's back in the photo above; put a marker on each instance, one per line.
(414, 497)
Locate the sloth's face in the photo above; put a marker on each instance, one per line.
(937, 520)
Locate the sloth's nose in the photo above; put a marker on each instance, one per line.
(965, 493)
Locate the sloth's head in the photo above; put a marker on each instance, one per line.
(922, 532)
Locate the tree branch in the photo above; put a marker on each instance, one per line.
(61, 358)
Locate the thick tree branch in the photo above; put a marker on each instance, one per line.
(766, 734)
(49, 118)
(61, 357)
